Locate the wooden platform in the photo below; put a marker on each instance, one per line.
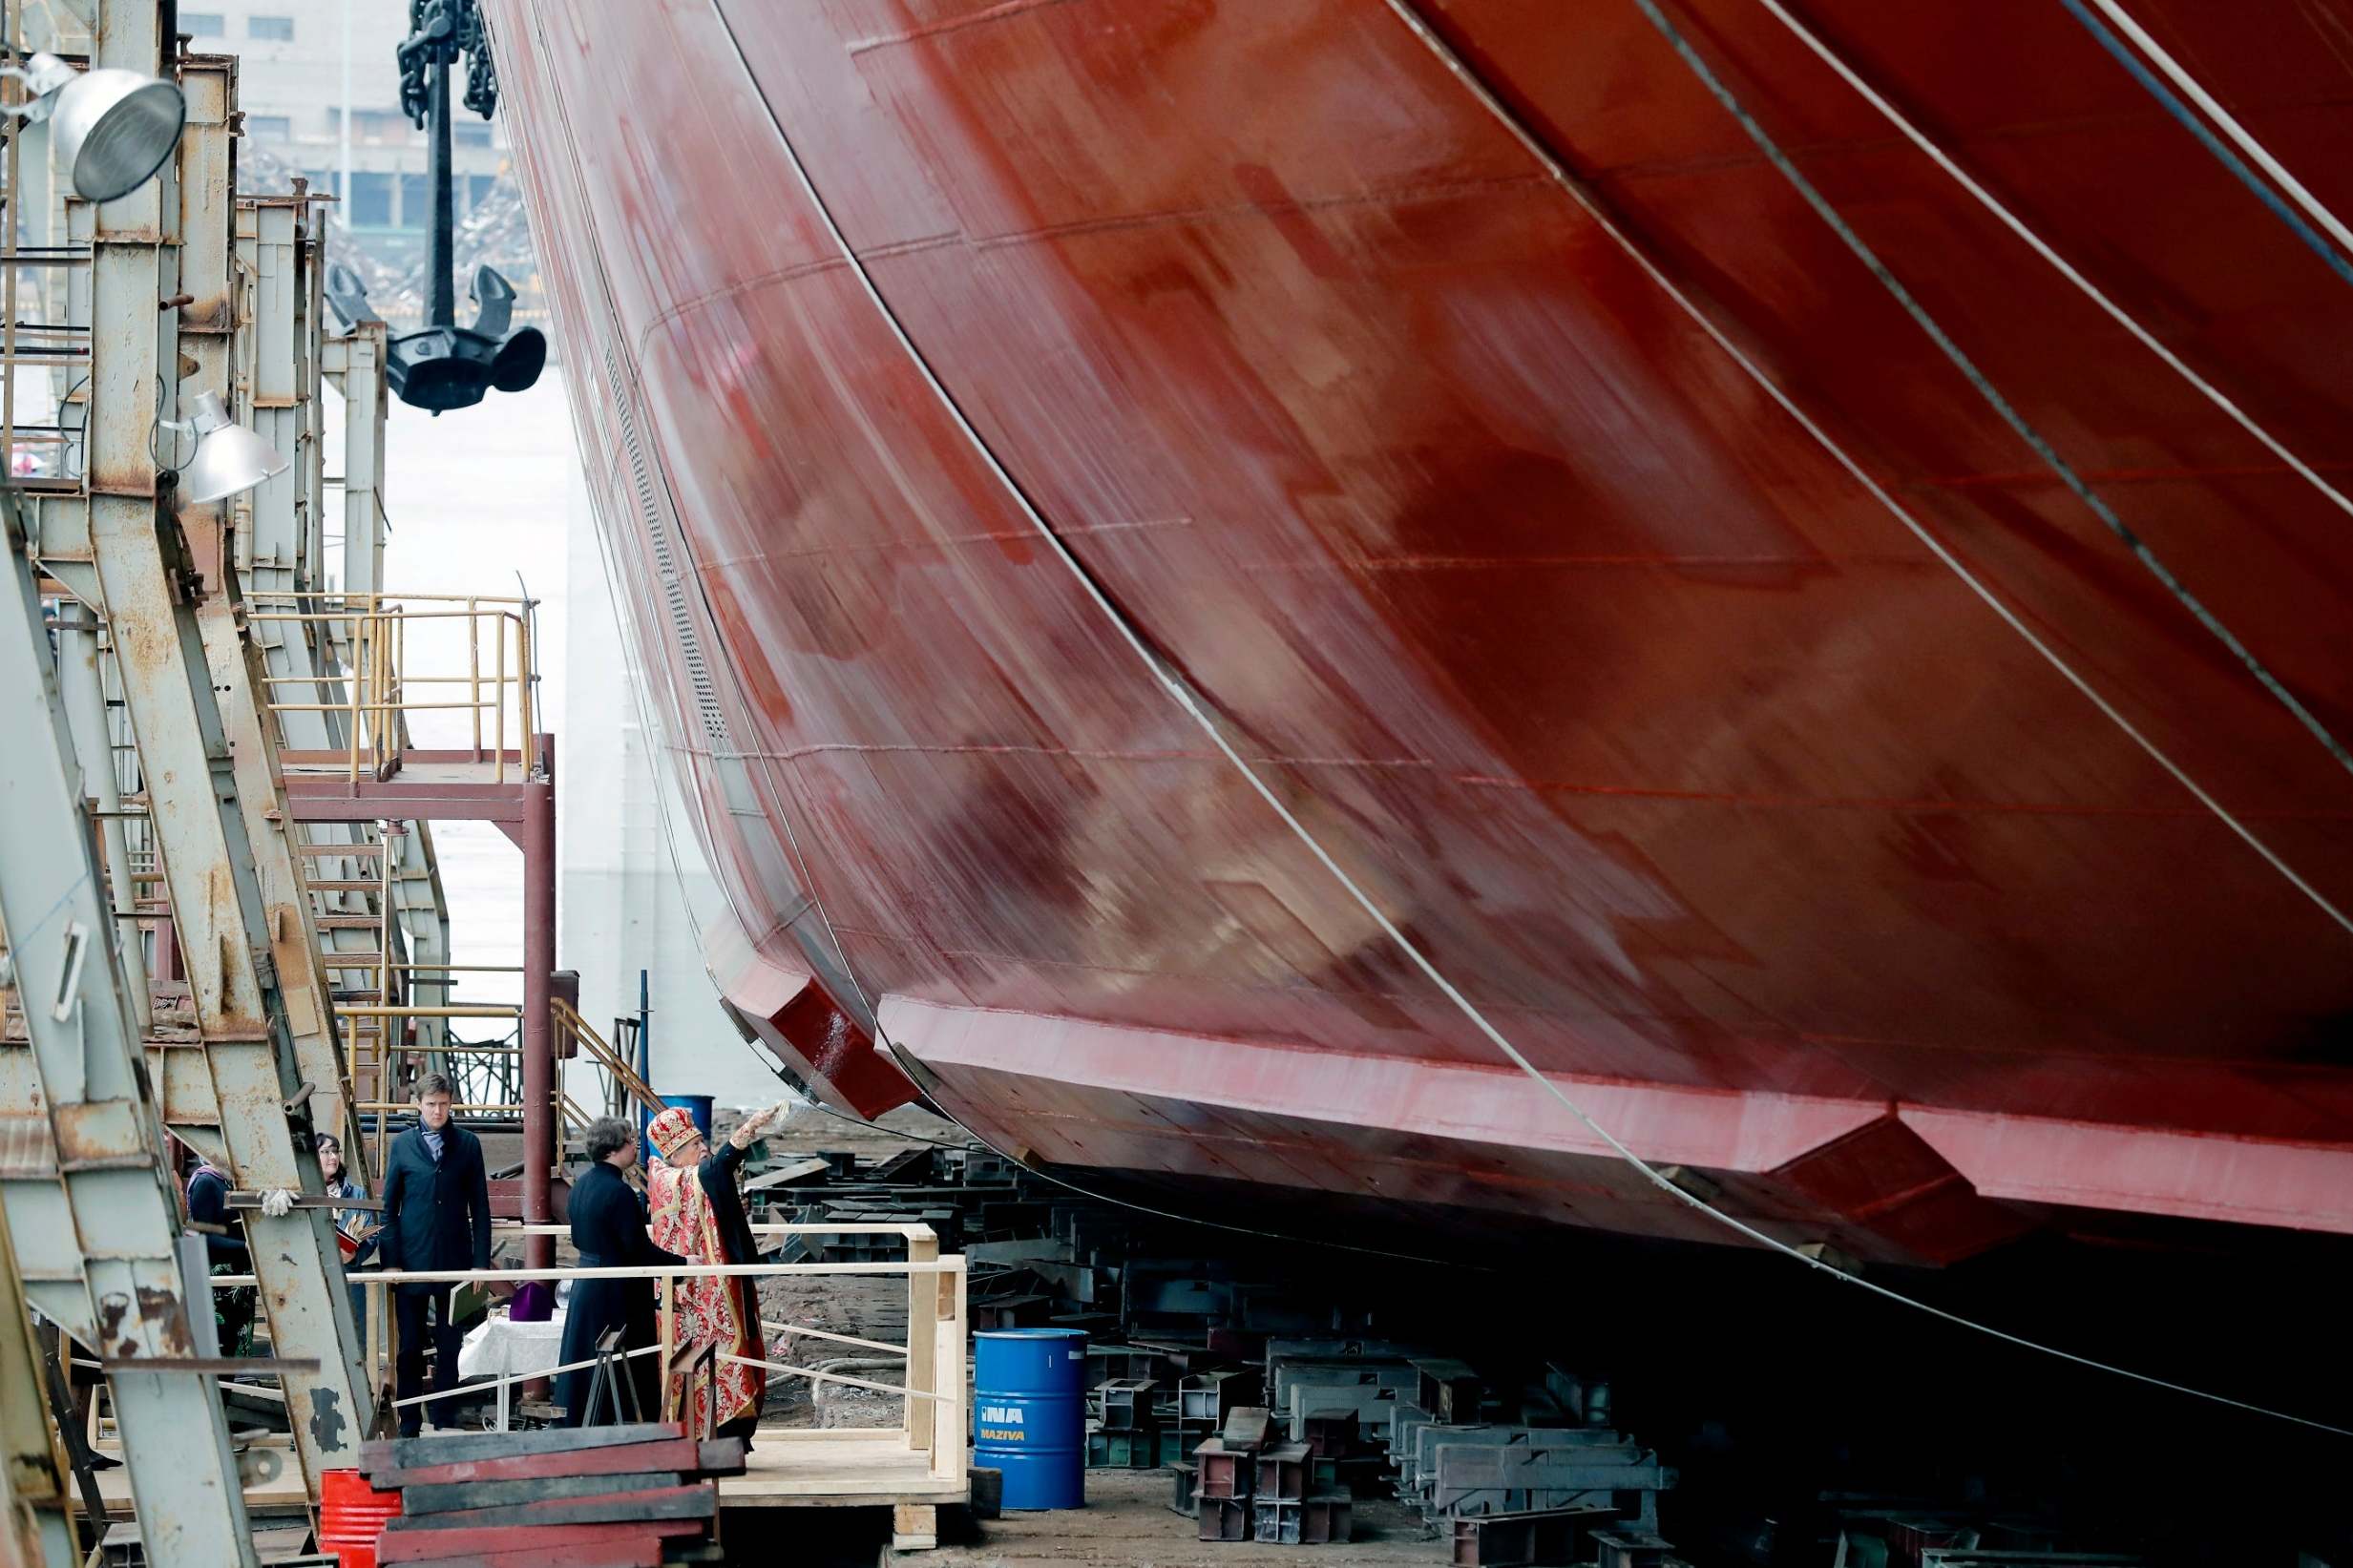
(282, 1492)
(790, 1466)
(844, 1467)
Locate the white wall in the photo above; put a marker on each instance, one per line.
(477, 497)
(625, 897)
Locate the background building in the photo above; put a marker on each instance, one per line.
(303, 66)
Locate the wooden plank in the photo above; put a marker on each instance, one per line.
(418, 1500)
(922, 1313)
(540, 1540)
(876, 1471)
(671, 1454)
(699, 1500)
(721, 1455)
(950, 1421)
(915, 1527)
(413, 1452)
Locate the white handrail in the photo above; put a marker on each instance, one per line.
(645, 1271)
(836, 1377)
(838, 1339)
(469, 1389)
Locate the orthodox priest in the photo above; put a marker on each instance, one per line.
(698, 1213)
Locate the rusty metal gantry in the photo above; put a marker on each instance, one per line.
(270, 720)
(91, 1209)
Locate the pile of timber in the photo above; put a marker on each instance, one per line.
(625, 1496)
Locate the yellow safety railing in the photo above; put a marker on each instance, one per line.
(571, 1029)
(381, 689)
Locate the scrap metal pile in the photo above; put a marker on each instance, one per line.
(1280, 1415)
(1345, 1418)
(1272, 1431)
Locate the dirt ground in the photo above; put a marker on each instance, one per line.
(1126, 1520)
(861, 1307)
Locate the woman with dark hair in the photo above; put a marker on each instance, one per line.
(608, 1228)
(350, 1222)
(340, 1184)
(224, 1253)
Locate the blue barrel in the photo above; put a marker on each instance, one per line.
(1029, 1413)
(698, 1106)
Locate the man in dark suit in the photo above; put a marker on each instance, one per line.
(436, 1216)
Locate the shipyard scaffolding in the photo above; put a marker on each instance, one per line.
(222, 921)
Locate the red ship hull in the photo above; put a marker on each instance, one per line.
(1700, 774)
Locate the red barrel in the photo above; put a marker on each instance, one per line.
(351, 1516)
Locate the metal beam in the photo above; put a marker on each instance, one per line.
(84, 681)
(36, 1524)
(95, 1229)
(283, 553)
(273, 535)
(224, 926)
(147, 582)
(355, 364)
(356, 361)
(207, 206)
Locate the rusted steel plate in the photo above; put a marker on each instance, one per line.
(645, 1553)
(671, 1454)
(696, 1500)
(417, 1501)
(540, 1540)
(410, 1451)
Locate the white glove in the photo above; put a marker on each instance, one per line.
(278, 1203)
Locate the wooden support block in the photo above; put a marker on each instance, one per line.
(915, 1527)
(722, 1455)
(443, 1545)
(679, 1453)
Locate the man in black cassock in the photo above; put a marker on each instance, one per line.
(608, 1228)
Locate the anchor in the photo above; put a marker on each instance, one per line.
(442, 366)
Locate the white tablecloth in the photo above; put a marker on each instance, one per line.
(502, 1348)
